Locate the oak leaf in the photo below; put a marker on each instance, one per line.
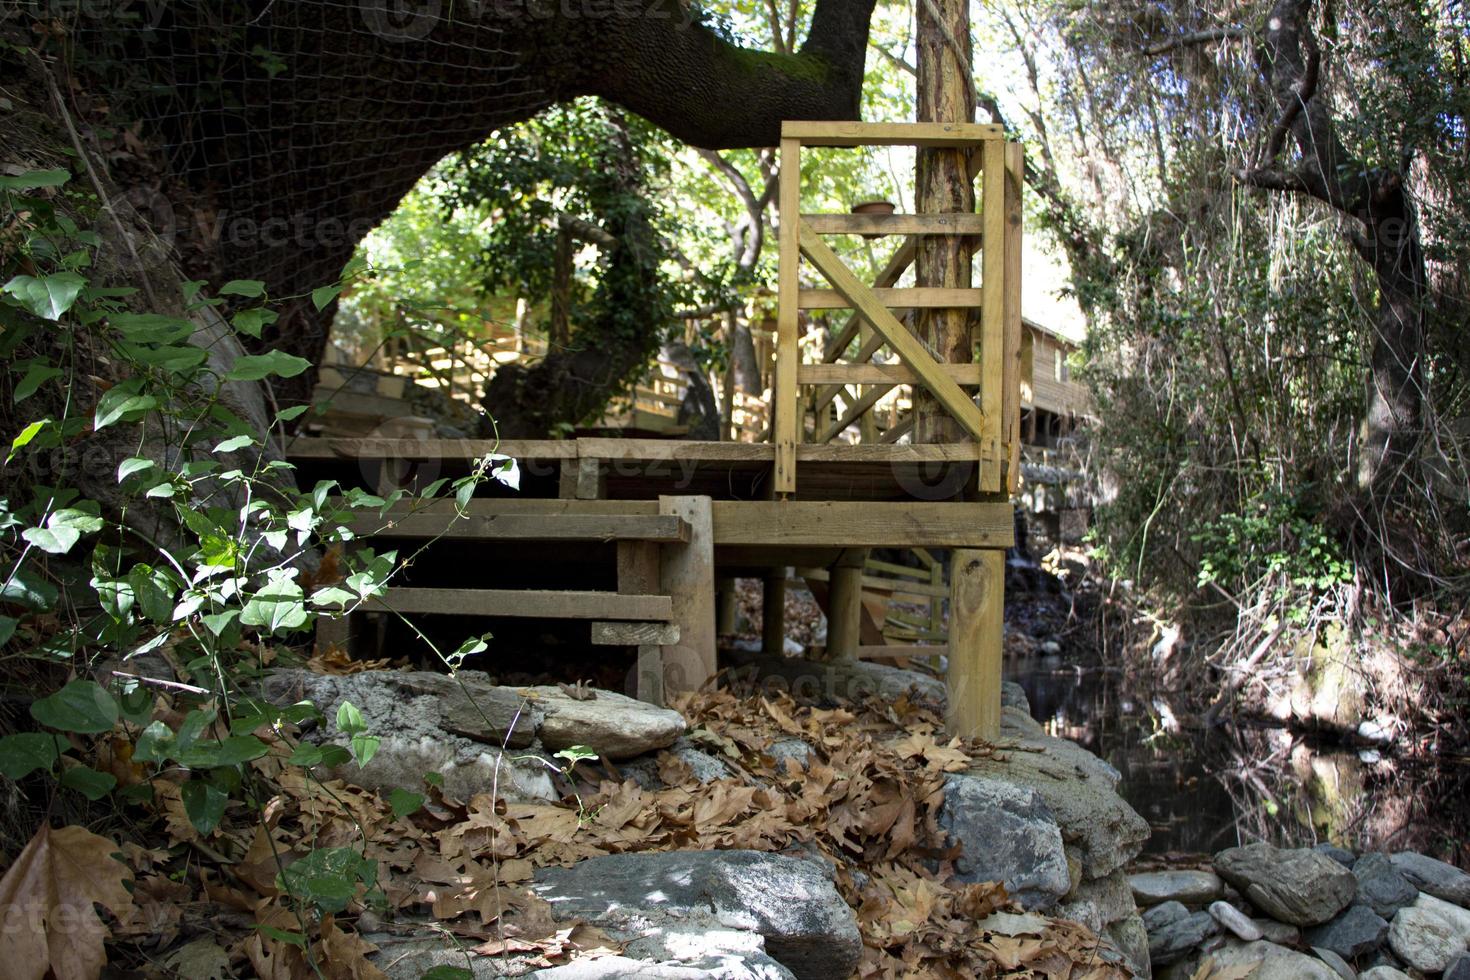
(49, 895)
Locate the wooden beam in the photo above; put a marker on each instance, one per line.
(899, 651)
(956, 135)
(844, 604)
(877, 374)
(892, 272)
(853, 412)
(955, 452)
(896, 298)
(466, 449)
(864, 524)
(638, 573)
(786, 426)
(993, 307)
(906, 345)
(976, 637)
(524, 603)
(664, 450)
(773, 613)
(1011, 381)
(952, 223)
(687, 574)
(634, 634)
(529, 527)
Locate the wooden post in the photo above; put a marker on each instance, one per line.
(729, 608)
(992, 346)
(976, 625)
(1011, 387)
(561, 291)
(638, 574)
(845, 604)
(687, 575)
(773, 613)
(786, 426)
(945, 94)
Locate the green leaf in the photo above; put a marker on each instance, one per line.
(204, 803)
(235, 443)
(154, 591)
(121, 403)
(25, 752)
(231, 751)
(151, 328)
(296, 939)
(328, 877)
(254, 367)
(294, 412)
(404, 803)
(349, 719)
(53, 541)
(278, 607)
(446, 972)
(7, 629)
(89, 782)
(322, 295)
(26, 588)
(26, 435)
(364, 747)
(132, 465)
(156, 744)
(81, 706)
(243, 287)
(38, 374)
(49, 297)
(331, 595)
(250, 322)
(33, 179)
(175, 359)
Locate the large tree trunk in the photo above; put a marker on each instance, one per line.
(305, 122)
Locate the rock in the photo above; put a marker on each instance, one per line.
(1356, 931)
(1236, 921)
(1435, 877)
(645, 770)
(1189, 887)
(1013, 695)
(1280, 933)
(1008, 834)
(791, 903)
(791, 747)
(1131, 939)
(1299, 886)
(614, 726)
(1164, 914)
(1383, 973)
(1078, 788)
(1459, 969)
(1098, 902)
(708, 951)
(1342, 856)
(1456, 916)
(1179, 938)
(1273, 962)
(1381, 887)
(1425, 940)
(808, 680)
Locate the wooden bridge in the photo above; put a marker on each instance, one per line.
(675, 521)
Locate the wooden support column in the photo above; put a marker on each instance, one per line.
(638, 574)
(773, 613)
(786, 425)
(976, 635)
(729, 607)
(687, 574)
(845, 605)
(946, 95)
(560, 330)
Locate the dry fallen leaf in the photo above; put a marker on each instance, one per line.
(48, 897)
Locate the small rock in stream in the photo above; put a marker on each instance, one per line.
(1237, 921)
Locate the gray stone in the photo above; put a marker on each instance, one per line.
(1425, 940)
(1098, 902)
(1079, 789)
(1164, 914)
(707, 768)
(791, 903)
(1280, 933)
(1189, 887)
(1013, 695)
(1236, 921)
(1273, 962)
(1381, 887)
(614, 726)
(1435, 877)
(1339, 965)
(1341, 855)
(1129, 935)
(1451, 913)
(1299, 886)
(791, 747)
(1179, 938)
(1383, 973)
(1459, 969)
(1356, 931)
(809, 680)
(1008, 834)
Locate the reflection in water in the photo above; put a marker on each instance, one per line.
(1203, 791)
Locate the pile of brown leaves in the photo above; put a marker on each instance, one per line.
(866, 800)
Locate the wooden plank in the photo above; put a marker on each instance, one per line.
(976, 626)
(888, 134)
(523, 506)
(637, 567)
(529, 527)
(1011, 383)
(877, 374)
(894, 298)
(664, 450)
(866, 524)
(952, 223)
(773, 613)
(936, 452)
(893, 568)
(591, 481)
(687, 574)
(889, 276)
(853, 412)
(524, 603)
(906, 345)
(466, 449)
(786, 425)
(634, 634)
(993, 308)
(897, 651)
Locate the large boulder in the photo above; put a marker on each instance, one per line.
(1435, 877)
(1424, 939)
(614, 726)
(792, 904)
(1356, 931)
(1300, 886)
(1272, 962)
(1380, 885)
(1188, 886)
(1006, 833)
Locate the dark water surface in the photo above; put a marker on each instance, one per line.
(1203, 791)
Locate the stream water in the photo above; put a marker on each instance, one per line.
(1203, 791)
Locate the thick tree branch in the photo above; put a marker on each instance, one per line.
(1193, 39)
